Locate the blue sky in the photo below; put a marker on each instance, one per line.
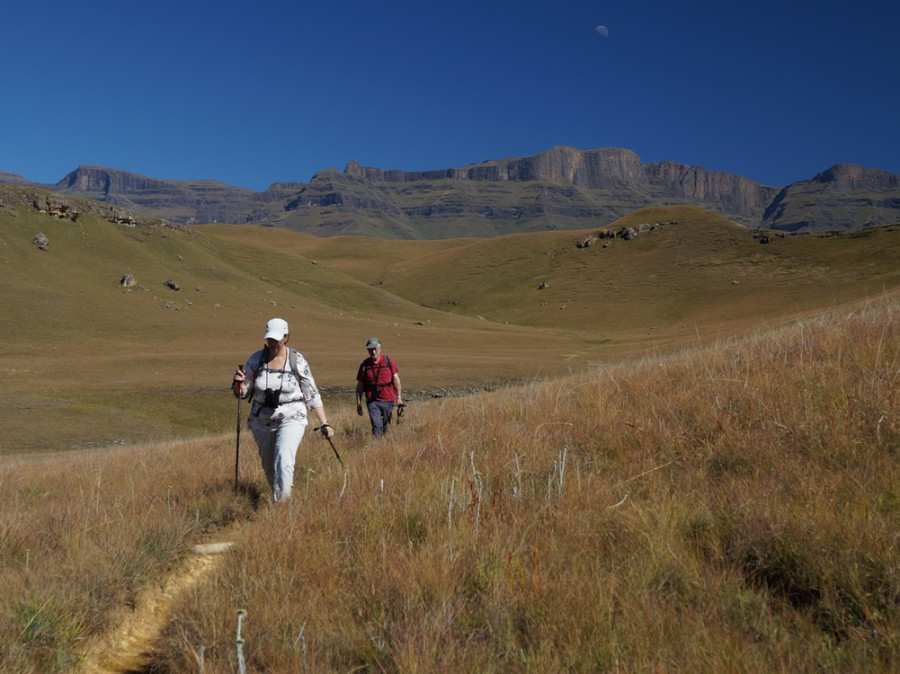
(251, 93)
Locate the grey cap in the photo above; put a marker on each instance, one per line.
(373, 343)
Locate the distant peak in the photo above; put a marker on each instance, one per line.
(854, 176)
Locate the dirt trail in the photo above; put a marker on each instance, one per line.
(125, 648)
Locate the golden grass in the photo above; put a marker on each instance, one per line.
(729, 507)
(82, 533)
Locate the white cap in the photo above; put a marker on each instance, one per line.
(276, 329)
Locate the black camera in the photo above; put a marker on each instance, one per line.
(273, 397)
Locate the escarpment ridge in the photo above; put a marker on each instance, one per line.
(562, 188)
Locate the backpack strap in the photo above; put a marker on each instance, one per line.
(264, 357)
(376, 371)
(293, 358)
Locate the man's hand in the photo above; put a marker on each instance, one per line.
(359, 409)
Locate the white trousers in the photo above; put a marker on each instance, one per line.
(278, 454)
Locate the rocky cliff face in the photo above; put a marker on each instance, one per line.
(846, 196)
(184, 202)
(561, 188)
(573, 187)
(607, 168)
(103, 181)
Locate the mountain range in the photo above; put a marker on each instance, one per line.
(562, 188)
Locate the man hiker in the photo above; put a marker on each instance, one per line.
(378, 379)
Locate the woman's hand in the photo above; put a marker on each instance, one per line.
(237, 381)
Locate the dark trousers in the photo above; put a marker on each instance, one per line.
(380, 415)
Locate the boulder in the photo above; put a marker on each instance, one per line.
(41, 241)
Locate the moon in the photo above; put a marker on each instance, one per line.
(603, 31)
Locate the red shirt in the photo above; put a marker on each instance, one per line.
(378, 379)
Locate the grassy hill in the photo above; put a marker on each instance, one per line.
(699, 472)
(700, 273)
(91, 363)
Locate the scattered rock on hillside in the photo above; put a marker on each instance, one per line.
(628, 233)
(55, 206)
(122, 218)
(41, 241)
(128, 280)
(624, 233)
(171, 284)
(767, 236)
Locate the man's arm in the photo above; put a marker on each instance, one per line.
(360, 389)
(398, 388)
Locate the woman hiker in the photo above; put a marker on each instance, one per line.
(278, 381)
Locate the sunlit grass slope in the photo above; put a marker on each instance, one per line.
(726, 507)
(698, 273)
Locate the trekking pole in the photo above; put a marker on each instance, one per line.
(333, 448)
(237, 442)
(400, 409)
